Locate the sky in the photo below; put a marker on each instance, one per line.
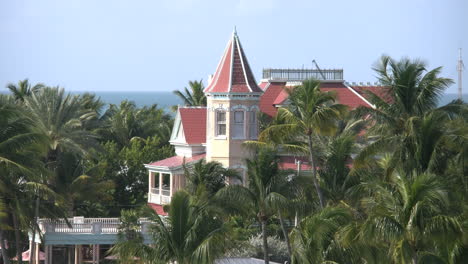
(159, 45)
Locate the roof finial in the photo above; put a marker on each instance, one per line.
(235, 30)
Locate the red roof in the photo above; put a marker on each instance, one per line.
(194, 124)
(176, 161)
(271, 92)
(345, 95)
(157, 208)
(233, 74)
(289, 163)
(275, 94)
(380, 91)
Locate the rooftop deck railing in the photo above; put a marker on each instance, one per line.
(302, 74)
(85, 225)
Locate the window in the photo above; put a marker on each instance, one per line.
(220, 123)
(238, 124)
(253, 131)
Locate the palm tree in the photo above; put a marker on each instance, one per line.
(190, 234)
(195, 96)
(126, 122)
(23, 89)
(414, 93)
(334, 157)
(17, 158)
(259, 197)
(410, 214)
(61, 120)
(310, 112)
(207, 177)
(314, 239)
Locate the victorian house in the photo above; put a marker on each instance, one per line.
(234, 98)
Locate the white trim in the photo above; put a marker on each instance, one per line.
(232, 63)
(254, 107)
(360, 96)
(242, 109)
(266, 87)
(239, 106)
(243, 66)
(217, 135)
(247, 62)
(220, 63)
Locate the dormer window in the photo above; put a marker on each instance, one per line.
(220, 123)
(238, 124)
(253, 126)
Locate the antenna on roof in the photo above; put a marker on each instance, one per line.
(460, 67)
(318, 68)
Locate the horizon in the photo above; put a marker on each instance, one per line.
(89, 46)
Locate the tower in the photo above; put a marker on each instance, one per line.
(232, 107)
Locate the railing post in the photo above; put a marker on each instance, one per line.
(50, 227)
(96, 228)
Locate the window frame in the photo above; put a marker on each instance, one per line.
(253, 124)
(217, 123)
(243, 136)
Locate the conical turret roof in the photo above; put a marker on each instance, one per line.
(233, 74)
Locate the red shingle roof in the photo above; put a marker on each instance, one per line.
(345, 95)
(271, 92)
(176, 161)
(194, 123)
(157, 208)
(275, 94)
(233, 74)
(380, 91)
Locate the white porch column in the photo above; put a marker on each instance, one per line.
(170, 184)
(78, 256)
(36, 253)
(160, 182)
(150, 182)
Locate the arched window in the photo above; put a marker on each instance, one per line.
(253, 126)
(220, 123)
(239, 120)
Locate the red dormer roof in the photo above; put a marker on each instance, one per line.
(380, 91)
(271, 92)
(194, 123)
(233, 74)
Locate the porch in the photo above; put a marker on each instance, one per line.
(80, 240)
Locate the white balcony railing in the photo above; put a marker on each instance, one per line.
(83, 225)
(159, 198)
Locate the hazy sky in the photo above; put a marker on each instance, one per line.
(99, 45)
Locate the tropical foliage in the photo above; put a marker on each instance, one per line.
(380, 184)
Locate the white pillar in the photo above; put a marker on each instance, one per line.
(36, 253)
(170, 184)
(78, 256)
(160, 182)
(150, 182)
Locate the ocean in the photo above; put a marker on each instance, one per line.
(162, 99)
(167, 99)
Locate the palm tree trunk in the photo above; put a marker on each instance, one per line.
(265, 242)
(285, 233)
(6, 259)
(34, 224)
(314, 173)
(19, 249)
